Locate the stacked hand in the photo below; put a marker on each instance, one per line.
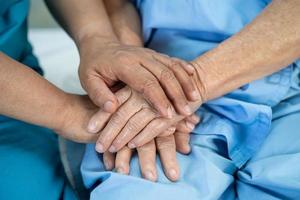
(152, 112)
(136, 119)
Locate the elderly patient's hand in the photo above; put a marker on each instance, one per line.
(162, 80)
(133, 115)
(166, 144)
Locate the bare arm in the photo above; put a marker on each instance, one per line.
(82, 19)
(27, 96)
(266, 45)
(104, 61)
(125, 21)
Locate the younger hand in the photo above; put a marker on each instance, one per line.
(163, 81)
(78, 111)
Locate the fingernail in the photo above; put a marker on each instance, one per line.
(131, 145)
(121, 170)
(191, 68)
(172, 129)
(112, 149)
(190, 125)
(196, 119)
(99, 148)
(170, 112)
(187, 149)
(149, 175)
(187, 110)
(108, 106)
(92, 126)
(173, 174)
(195, 95)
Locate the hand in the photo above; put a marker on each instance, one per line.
(117, 129)
(159, 78)
(76, 115)
(165, 145)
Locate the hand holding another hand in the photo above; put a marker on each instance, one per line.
(163, 81)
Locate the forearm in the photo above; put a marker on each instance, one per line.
(268, 44)
(127, 26)
(125, 21)
(27, 96)
(82, 19)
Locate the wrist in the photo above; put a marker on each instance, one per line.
(62, 113)
(200, 80)
(130, 38)
(91, 31)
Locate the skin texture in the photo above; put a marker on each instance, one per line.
(31, 98)
(128, 31)
(215, 74)
(166, 145)
(254, 53)
(104, 61)
(244, 51)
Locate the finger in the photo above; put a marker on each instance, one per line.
(132, 128)
(146, 83)
(186, 82)
(147, 154)
(153, 129)
(100, 118)
(170, 131)
(123, 160)
(109, 160)
(167, 152)
(115, 124)
(100, 94)
(183, 72)
(170, 85)
(182, 141)
(185, 126)
(186, 66)
(195, 119)
(189, 68)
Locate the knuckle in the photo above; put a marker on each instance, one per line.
(153, 130)
(164, 143)
(175, 63)
(124, 56)
(147, 148)
(166, 75)
(96, 95)
(149, 111)
(117, 118)
(149, 85)
(132, 126)
(166, 133)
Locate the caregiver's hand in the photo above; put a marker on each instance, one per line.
(160, 79)
(29, 97)
(74, 117)
(105, 61)
(165, 145)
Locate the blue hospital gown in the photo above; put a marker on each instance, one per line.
(247, 145)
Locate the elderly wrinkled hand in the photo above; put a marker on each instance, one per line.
(134, 114)
(166, 144)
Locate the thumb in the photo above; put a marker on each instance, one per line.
(100, 94)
